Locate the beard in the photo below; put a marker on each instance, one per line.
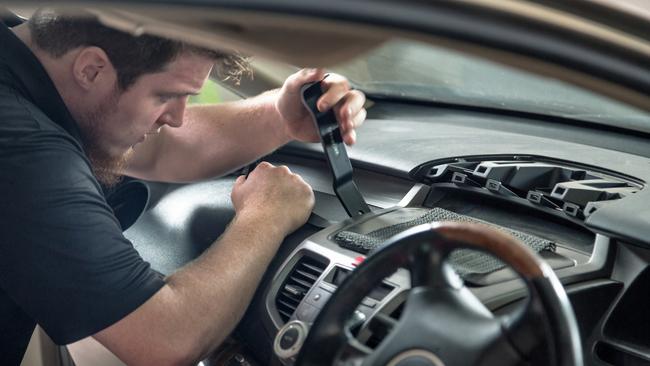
(106, 167)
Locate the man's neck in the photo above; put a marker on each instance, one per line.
(55, 68)
(22, 32)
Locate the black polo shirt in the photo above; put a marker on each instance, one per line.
(64, 263)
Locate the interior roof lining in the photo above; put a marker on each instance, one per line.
(293, 39)
(266, 35)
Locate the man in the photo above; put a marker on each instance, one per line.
(79, 101)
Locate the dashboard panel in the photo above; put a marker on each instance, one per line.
(599, 268)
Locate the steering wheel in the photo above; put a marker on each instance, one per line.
(442, 322)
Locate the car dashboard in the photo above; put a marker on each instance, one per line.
(580, 189)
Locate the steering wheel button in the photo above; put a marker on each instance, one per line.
(289, 338)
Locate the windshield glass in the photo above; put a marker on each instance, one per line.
(407, 69)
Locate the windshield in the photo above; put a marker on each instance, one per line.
(419, 71)
(407, 69)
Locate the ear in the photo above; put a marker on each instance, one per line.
(93, 70)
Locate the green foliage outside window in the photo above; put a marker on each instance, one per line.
(210, 93)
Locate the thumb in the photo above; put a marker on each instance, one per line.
(314, 75)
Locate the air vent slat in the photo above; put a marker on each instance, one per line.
(290, 306)
(302, 282)
(297, 284)
(285, 314)
(308, 275)
(313, 268)
(286, 296)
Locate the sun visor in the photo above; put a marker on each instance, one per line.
(296, 40)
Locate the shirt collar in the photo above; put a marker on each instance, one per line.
(33, 82)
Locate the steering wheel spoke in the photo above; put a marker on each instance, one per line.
(452, 320)
(523, 327)
(429, 267)
(527, 327)
(354, 353)
(503, 353)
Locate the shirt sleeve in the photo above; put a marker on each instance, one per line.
(63, 257)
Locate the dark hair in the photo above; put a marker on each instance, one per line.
(132, 56)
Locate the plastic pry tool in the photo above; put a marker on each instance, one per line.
(337, 157)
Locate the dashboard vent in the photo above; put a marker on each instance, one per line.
(552, 185)
(302, 277)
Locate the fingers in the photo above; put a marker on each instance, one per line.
(273, 194)
(264, 167)
(350, 137)
(302, 77)
(358, 120)
(348, 132)
(285, 169)
(335, 88)
(240, 179)
(350, 113)
(348, 104)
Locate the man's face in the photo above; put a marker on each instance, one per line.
(125, 118)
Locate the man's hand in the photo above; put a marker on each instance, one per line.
(274, 194)
(347, 104)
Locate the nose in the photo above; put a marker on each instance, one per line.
(174, 114)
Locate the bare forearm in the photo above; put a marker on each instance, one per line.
(214, 140)
(216, 289)
(201, 303)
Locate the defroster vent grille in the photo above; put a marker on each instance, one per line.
(302, 277)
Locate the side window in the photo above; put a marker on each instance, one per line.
(213, 92)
